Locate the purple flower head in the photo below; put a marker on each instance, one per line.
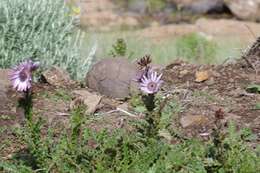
(151, 83)
(21, 75)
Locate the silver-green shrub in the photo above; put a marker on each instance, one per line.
(42, 30)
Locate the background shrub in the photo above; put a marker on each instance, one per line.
(42, 30)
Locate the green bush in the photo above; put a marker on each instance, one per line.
(80, 149)
(42, 30)
(196, 48)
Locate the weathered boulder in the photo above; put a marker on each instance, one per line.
(201, 6)
(112, 77)
(4, 86)
(245, 9)
(3, 97)
(4, 77)
(82, 96)
(57, 77)
(138, 6)
(9, 116)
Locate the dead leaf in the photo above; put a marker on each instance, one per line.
(201, 76)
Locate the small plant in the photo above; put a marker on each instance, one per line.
(196, 48)
(21, 77)
(149, 84)
(119, 48)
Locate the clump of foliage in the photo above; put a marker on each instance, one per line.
(42, 30)
(196, 48)
(120, 49)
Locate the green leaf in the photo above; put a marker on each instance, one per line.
(140, 109)
(254, 88)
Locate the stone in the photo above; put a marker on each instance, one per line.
(91, 100)
(8, 114)
(201, 6)
(211, 81)
(138, 6)
(4, 77)
(5, 84)
(123, 106)
(112, 77)
(193, 120)
(245, 9)
(3, 96)
(57, 77)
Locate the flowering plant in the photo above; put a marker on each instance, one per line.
(149, 83)
(21, 78)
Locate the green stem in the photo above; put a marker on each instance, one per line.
(26, 104)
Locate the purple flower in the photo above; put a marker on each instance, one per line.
(150, 83)
(21, 75)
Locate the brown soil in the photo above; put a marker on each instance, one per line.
(225, 89)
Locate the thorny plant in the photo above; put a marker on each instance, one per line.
(149, 84)
(21, 78)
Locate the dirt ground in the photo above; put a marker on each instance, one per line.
(224, 89)
(200, 89)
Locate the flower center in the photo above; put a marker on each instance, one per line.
(23, 75)
(151, 86)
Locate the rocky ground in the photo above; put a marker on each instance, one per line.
(200, 91)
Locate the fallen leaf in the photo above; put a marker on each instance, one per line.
(201, 76)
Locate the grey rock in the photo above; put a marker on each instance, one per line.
(5, 84)
(245, 9)
(112, 77)
(57, 77)
(91, 100)
(205, 6)
(4, 77)
(9, 116)
(138, 6)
